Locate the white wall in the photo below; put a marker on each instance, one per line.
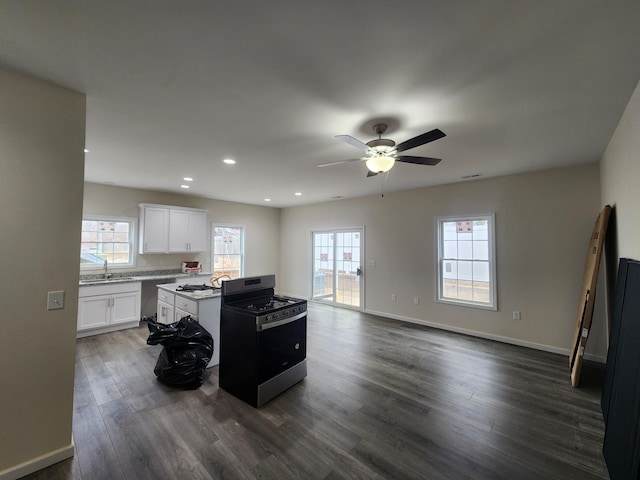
(543, 226)
(620, 174)
(620, 178)
(41, 180)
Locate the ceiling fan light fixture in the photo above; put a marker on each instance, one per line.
(380, 163)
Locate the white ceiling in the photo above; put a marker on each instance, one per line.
(174, 87)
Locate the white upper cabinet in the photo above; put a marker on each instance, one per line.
(198, 231)
(154, 229)
(187, 231)
(167, 229)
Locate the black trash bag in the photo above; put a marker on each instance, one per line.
(188, 348)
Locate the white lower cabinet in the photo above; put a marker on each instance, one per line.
(106, 308)
(164, 313)
(206, 311)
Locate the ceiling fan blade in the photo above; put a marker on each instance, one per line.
(414, 142)
(419, 160)
(354, 142)
(371, 174)
(339, 162)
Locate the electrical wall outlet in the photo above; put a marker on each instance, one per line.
(416, 300)
(516, 315)
(55, 300)
(393, 297)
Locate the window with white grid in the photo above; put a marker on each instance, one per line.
(466, 261)
(109, 239)
(228, 251)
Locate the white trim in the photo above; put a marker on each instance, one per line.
(242, 244)
(334, 230)
(488, 336)
(38, 463)
(493, 284)
(89, 332)
(133, 221)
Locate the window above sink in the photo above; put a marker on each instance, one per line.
(107, 238)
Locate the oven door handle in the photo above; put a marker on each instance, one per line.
(284, 321)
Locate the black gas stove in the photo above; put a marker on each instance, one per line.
(263, 339)
(254, 298)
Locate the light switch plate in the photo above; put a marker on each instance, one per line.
(55, 300)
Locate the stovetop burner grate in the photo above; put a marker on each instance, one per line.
(267, 304)
(194, 288)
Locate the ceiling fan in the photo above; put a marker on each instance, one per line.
(382, 153)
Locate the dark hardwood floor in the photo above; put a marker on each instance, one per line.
(382, 400)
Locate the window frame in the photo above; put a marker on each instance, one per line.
(242, 246)
(133, 229)
(493, 290)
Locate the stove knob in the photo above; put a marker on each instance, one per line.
(269, 318)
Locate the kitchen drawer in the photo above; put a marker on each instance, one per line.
(166, 297)
(187, 305)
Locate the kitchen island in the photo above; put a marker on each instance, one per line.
(202, 305)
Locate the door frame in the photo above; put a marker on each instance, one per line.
(334, 230)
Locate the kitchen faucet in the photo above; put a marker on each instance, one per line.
(106, 275)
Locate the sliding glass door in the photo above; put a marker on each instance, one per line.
(337, 271)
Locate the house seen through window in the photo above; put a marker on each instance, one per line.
(466, 261)
(228, 251)
(109, 239)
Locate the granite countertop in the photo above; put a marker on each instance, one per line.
(157, 275)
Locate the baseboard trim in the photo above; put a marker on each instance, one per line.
(108, 329)
(488, 336)
(38, 463)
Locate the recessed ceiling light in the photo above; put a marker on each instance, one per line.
(86, 150)
(229, 161)
(185, 186)
(297, 194)
(267, 199)
(188, 179)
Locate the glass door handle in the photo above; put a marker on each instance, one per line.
(358, 271)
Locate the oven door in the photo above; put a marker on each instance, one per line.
(281, 347)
